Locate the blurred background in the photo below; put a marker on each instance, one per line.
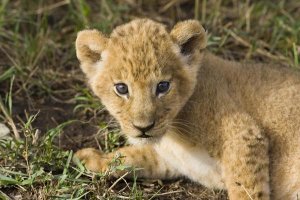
(51, 113)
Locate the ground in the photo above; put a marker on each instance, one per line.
(44, 98)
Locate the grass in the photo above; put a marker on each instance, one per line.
(51, 113)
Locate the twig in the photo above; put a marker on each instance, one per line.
(108, 9)
(113, 185)
(123, 197)
(258, 50)
(167, 6)
(161, 194)
(196, 9)
(10, 121)
(203, 12)
(166, 193)
(98, 144)
(51, 7)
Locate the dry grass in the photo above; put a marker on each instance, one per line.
(51, 114)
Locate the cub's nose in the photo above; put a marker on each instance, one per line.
(144, 129)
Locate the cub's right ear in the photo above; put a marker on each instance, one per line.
(89, 45)
(190, 36)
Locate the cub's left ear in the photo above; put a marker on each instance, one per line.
(190, 36)
(89, 46)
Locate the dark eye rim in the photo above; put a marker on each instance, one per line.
(165, 91)
(121, 93)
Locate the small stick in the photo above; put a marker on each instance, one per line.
(10, 121)
(113, 185)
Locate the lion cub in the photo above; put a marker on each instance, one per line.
(189, 113)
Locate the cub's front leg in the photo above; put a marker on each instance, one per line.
(145, 158)
(245, 159)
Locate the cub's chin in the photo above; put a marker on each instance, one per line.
(143, 141)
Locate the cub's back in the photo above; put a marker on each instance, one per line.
(270, 94)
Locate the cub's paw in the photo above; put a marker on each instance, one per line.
(93, 159)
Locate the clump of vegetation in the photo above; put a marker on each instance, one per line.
(50, 112)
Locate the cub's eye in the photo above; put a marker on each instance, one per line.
(162, 87)
(121, 88)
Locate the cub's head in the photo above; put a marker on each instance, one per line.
(142, 73)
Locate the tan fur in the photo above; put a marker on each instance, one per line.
(223, 124)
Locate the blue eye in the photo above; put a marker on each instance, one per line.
(162, 87)
(121, 88)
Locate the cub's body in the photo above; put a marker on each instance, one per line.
(221, 123)
(270, 97)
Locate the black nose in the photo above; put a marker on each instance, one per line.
(144, 129)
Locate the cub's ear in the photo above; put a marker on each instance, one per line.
(190, 36)
(89, 46)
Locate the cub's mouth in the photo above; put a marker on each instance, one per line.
(153, 135)
(144, 136)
